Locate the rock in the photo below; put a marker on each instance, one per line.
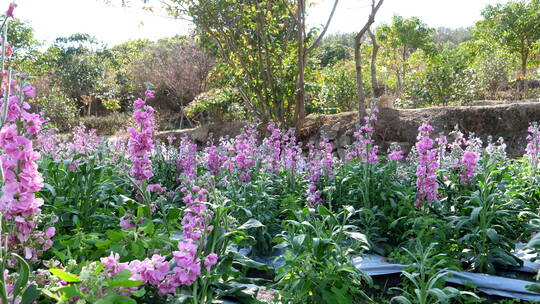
(200, 134)
(342, 153)
(336, 127)
(330, 134)
(344, 140)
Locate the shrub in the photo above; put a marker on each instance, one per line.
(59, 108)
(339, 87)
(107, 125)
(216, 105)
(446, 79)
(331, 53)
(178, 68)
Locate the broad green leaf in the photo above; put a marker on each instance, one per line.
(29, 295)
(251, 223)
(65, 276)
(24, 273)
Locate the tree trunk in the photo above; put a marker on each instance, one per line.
(303, 52)
(401, 79)
(524, 59)
(377, 92)
(361, 94)
(300, 113)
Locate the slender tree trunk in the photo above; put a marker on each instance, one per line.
(300, 112)
(303, 52)
(401, 79)
(361, 94)
(524, 59)
(377, 92)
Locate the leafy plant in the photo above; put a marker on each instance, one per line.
(94, 284)
(22, 292)
(427, 282)
(318, 266)
(81, 191)
(485, 229)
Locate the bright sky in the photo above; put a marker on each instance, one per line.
(113, 25)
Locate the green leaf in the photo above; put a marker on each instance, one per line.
(125, 283)
(123, 279)
(116, 299)
(3, 292)
(29, 294)
(401, 299)
(533, 288)
(251, 223)
(323, 210)
(65, 276)
(24, 273)
(298, 240)
(475, 213)
(69, 292)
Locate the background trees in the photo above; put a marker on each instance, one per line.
(402, 38)
(259, 60)
(515, 26)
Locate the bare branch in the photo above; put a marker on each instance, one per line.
(371, 19)
(321, 35)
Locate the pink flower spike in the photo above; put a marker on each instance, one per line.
(10, 10)
(149, 94)
(210, 261)
(139, 103)
(30, 91)
(50, 232)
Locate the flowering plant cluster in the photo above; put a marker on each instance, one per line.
(187, 262)
(363, 146)
(533, 145)
(461, 154)
(214, 158)
(426, 170)
(84, 141)
(320, 165)
(187, 158)
(141, 139)
(282, 150)
(20, 177)
(243, 153)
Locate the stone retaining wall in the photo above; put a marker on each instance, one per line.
(496, 119)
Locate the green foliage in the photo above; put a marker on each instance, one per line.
(22, 291)
(107, 125)
(255, 41)
(485, 230)
(514, 25)
(446, 79)
(82, 191)
(80, 70)
(331, 53)
(60, 109)
(406, 35)
(402, 38)
(23, 43)
(339, 87)
(492, 64)
(92, 286)
(427, 282)
(317, 265)
(216, 105)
